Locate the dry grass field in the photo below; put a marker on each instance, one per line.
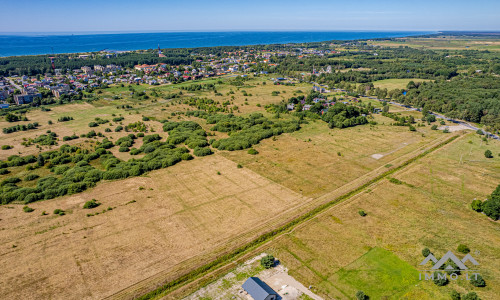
(83, 114)
(181, 212)
(443, 42)
(308, 161)
(340, 252)
(170, 221)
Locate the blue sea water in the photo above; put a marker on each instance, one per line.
(33, 44)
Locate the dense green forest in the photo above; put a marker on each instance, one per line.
(40, 64)
(475, 99)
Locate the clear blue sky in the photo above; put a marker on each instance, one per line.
(197, 15)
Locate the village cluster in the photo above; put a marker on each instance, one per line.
(18, 90)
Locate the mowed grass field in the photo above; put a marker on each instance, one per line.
(182, 216)
(339, 252)
(391, 84)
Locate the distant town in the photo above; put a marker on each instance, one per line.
(24, 89)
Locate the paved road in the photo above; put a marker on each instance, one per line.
(439, 116)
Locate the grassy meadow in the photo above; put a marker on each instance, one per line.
(155, 227)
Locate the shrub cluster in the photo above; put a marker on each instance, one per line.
(490, 207)
(244, 132)
(28, 126)
(70, 137)
(65, 119)
(46, 139)
(342, 116)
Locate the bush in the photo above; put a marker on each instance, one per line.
(360, 295)
(362, 213)
(6, 147)
(31, 177)
(64, 119)
(69, 138)
(477, 205)
(440, 279)
(140, 134)
(91, 204)
(395, 181)
(426, 252)
(59, 211)
(27, 209)
(252, 151)
(4, 171)
(123, 149)
(488, 154)
(455, 295)
(463, 249)
(267, 261)
(186, 156)
(491, 207)
(10, 180)
(471, 296)
(202, 151)
(434, 127)
(107, 130)
(477, 280)
(239, 166)
(93, 124)
(134, 151)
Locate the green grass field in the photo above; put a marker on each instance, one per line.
(391, 84)
(379, 273)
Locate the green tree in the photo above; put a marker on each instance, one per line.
(267, 261)
(488, 154)
(491, 208)
(426, 252)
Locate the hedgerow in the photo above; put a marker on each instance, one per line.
(29, 126)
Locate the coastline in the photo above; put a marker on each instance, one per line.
(28, 44)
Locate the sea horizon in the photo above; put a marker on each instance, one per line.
(43, 43)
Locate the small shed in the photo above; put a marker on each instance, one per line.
(259, 290)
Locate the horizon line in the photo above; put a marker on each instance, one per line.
(228, 30)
